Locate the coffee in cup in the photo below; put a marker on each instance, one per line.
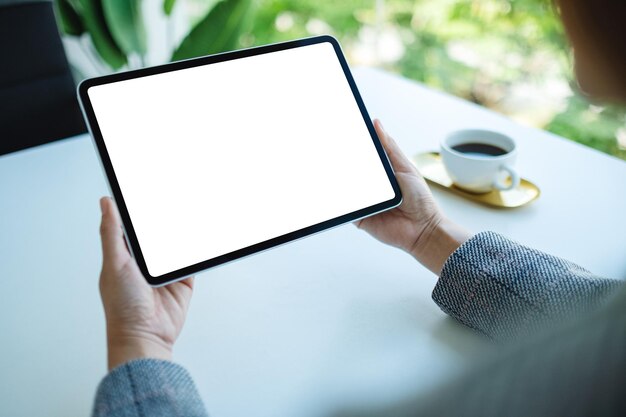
(480, 160)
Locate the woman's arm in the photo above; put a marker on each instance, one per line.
(143, 324)
(487, 282)
(416, 226)
(148, 387)
(504, 289)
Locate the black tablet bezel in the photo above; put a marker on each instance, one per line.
(249, 250)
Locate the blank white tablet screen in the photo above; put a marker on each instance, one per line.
(219, 157)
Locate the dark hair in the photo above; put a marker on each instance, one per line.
(602, 23)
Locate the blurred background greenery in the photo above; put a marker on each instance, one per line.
(508, 55)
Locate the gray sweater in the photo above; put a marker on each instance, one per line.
(499, 288)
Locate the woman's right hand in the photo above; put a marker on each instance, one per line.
(417, 225)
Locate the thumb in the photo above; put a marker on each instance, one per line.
(114, 251)
(397, 158)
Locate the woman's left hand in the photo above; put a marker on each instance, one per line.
(142, 322)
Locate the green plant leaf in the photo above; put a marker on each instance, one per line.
(68, 18)
(168, 5)
(125, 22)
(218, 31)
(95, 24)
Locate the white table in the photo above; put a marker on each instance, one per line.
(334, 318)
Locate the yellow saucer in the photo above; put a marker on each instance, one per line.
(431, 167)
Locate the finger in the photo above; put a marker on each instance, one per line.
(397, 158)
(188, 282)
(114, 249)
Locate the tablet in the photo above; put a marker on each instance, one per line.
(216, 158)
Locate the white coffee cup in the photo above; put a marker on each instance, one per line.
(480, 169)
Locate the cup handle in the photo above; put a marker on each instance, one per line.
(515, 179)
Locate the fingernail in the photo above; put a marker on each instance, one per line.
(103, 205)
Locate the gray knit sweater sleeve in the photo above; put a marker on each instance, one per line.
(503, 289)
(490, 283)
(148, 387)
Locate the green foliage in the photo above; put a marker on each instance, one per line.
(591, 125)
(218, 32)
(481, 50)
(168, 6)
(125, 21)
(341, 17)
(527, 30)
(493, 30)
(117, 31)
(69, 20)
(93, 16)
(511, 44)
